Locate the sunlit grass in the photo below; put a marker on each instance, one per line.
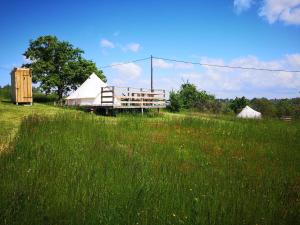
(85, 169)
(11, 116)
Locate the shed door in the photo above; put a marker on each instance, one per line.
(23, 85)
(26, 86)
(18, 82)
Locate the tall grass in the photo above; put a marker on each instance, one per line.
(87, 170)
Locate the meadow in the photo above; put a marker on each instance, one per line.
(11, 117)
(76, 168)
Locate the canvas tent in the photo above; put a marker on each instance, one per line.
(249, 113)
(88, 94)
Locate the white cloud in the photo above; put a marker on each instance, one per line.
(106, 43)
(293, 60)
(192, 75)
(180, 65)
(287, 11)
(129, 70)
(160, 63)
(26, 60)
(119, 82)
(133, 47)
(242, 5)
(163, 64)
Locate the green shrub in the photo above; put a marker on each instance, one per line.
(265, 106)
(175, 102)
(5, 92)
(238, 104)
(44, 98)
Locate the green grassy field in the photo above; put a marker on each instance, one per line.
(12, 115)
(64, 167)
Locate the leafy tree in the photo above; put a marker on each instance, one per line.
(296, 107)
(284, 108)
(188, 95)
(225, 109)
(206, 102)
(57, 65)
(265, 106)
(175, 102)
(238, 104)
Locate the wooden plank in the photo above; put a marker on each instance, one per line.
(27, 96)
(22, 85)
(18, 75)
(138, 107)
(146, 93)
(138, 97)
(145, 89)
(29, 88)
(30, 85)
(13, 86)
(18, 86)
(133, 102)
(21, 80)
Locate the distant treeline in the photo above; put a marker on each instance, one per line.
(189, 98)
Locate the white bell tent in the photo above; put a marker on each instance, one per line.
(249, 113)
(88, 94)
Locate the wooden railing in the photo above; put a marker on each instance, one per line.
(126, 97)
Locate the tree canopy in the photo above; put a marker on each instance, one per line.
(265, 106)
(188, 97)
(238, 104)
(57, 66)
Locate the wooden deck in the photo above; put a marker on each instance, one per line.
(126, 97)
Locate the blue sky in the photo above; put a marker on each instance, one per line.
(258, 33)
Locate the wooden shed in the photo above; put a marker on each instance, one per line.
(21, 85)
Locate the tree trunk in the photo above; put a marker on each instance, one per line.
(60, 93)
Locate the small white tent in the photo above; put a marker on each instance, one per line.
(249, 113)
(89, 93)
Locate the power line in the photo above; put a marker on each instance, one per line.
(230, 67)
(119, 64)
